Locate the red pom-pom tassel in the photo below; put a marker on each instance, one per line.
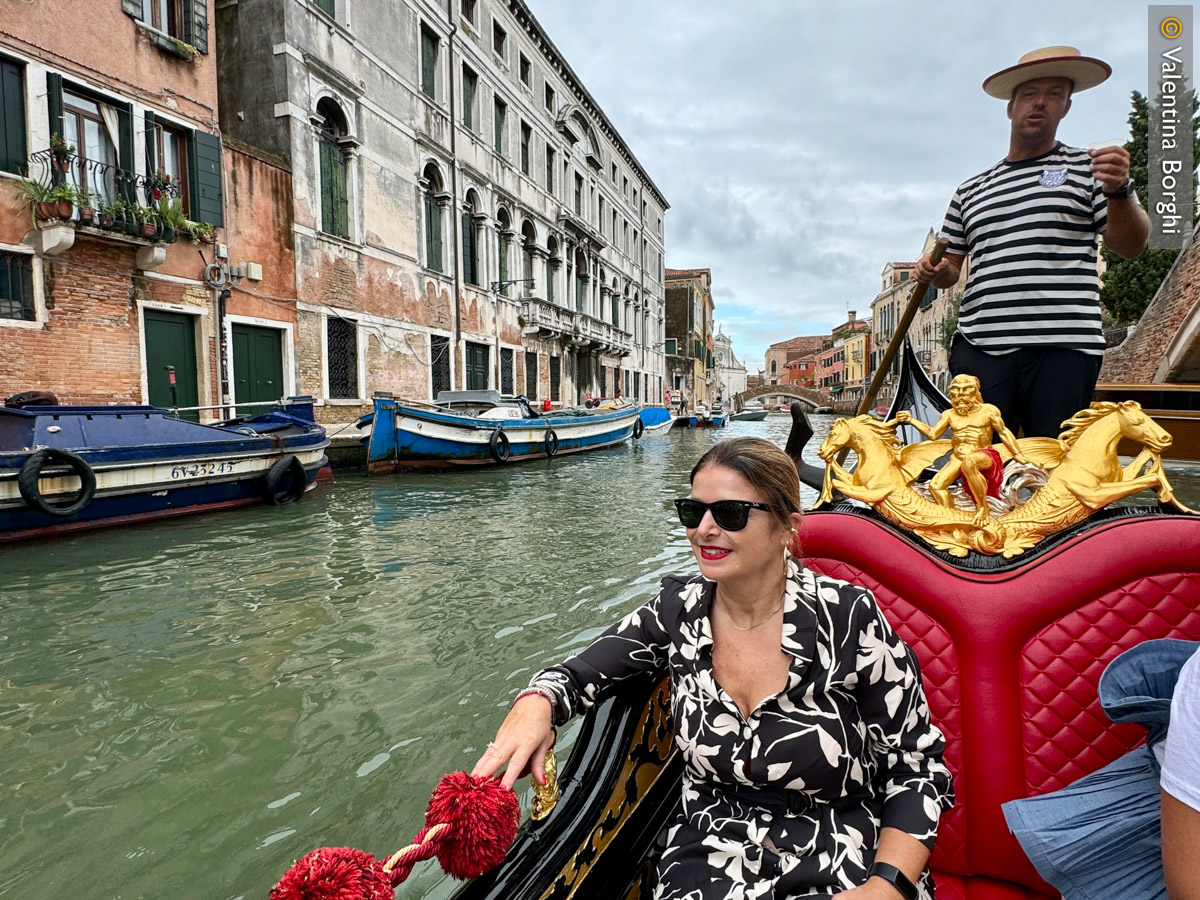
(483, 816)
(335, 873)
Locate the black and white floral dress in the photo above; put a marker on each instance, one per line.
(789, 802)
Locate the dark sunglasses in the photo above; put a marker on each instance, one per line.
(731, 515)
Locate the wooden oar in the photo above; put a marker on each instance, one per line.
(897, 341)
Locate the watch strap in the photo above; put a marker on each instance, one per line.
(894, 877)
(1122, 192)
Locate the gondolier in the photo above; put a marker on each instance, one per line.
(1029, 324)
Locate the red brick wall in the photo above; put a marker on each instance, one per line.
(1137, 358)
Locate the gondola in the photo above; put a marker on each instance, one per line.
(1011, 651)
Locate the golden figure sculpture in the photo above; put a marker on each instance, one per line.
(972, 424)
(1084, 474)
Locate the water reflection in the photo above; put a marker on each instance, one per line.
(187, 707)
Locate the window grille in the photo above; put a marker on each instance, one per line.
(531, 375)
(506, 371)
(555, 372)
(341, 348)
(16, 287)
(439, 363)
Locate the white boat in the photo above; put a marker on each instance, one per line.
(752, 411)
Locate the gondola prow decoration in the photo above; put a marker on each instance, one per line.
(469, 825)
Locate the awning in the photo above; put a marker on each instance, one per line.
(836, 389)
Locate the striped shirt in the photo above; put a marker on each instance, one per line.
(1031, 230)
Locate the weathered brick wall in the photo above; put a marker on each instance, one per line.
(1137, 358)
(87, 350)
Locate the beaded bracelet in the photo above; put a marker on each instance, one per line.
(542, 692)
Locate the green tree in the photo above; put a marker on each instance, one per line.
(1128, 285)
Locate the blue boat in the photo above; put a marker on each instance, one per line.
(656, 419)
(68, 468)
(473, 428)
(704, 418)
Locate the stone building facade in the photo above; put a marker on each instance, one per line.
(95, 307)
(731, 374)
(463, 215)
(689, 335)
(780, 354)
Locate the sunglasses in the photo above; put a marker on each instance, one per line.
(730, 515)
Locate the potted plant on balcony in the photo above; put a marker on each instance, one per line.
(61, 152)
(198, 232)
(147, 225)
(87, 212)
(112, 215)
(171, 219)
(47, 202)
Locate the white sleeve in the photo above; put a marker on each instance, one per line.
(1181, 762)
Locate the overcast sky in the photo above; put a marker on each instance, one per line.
(802, 145)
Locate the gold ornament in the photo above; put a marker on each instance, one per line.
(1080, 471)
(545, 796)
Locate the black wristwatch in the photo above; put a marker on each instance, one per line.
(1122, 192)
(895, 878)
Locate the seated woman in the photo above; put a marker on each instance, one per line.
(811, 765)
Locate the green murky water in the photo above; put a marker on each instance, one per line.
(187, 707)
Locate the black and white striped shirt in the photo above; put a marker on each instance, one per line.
(1031, 229)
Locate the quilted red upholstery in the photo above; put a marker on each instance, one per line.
(1011, 660)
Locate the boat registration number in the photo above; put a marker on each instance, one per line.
(209, 468)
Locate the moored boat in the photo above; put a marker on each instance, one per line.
(68, 468)
(656, 420)
(473, 428)
(752, 411)
(703, 417)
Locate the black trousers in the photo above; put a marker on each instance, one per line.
(1035, 389)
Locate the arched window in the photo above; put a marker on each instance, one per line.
(552, 264)
(432, 187)
(470, 241)
(529, 241)
(331, 131)
(581, 279)
(773, 369)
(616, 303)
(504, 239)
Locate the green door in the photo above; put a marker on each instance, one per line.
(257, 366)
(477, 367)
(171, 341)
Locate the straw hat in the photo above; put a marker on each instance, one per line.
(1048, 62)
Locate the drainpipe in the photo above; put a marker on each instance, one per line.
(456, 358)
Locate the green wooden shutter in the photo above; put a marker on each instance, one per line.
(327, 7)
(338, 191)
(54, 101)
(195, 24)
(151, 144)
(13, 151)
(132, 8)
(429, 44)
(470, 275)
(129, 191)
(204, 178)
(433, 234)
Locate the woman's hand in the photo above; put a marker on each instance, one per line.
(521, 743)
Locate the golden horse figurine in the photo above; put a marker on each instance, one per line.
(1084, 475)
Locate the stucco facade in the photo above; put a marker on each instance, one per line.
(435, 154)
(731, 374)
(689, 335)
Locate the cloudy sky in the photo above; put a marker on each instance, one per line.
(803, 144)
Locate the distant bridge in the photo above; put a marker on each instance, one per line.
(812, 399)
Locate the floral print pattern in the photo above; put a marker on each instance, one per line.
(789, 801)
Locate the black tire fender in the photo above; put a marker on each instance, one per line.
(638, 427)
(279, 472)
(551, 442)
(31, 473)
(499, 446)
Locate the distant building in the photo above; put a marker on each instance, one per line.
(780, 354)
(858, 361)
(688, 336)
(731, 374)
(801, 371)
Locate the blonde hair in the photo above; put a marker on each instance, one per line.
(763, 465)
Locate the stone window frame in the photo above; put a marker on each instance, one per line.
(41, 310)
(360, 352)
(349, 144)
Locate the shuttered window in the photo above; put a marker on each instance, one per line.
(327, 7)
(469, 89)
(429, 55)
(204, 175)
(499, 121)
(185, 20)
(333, 188)
(477, 367)
(470, 248)
(13, 151)
(433, 233)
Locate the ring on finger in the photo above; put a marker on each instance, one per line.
(492, 745)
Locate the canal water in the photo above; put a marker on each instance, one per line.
(187, 707)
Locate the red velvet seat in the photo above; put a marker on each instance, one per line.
(1011, 655)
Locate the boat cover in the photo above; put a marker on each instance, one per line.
(1011, 654)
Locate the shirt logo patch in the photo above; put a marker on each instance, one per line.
(1053, 177)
